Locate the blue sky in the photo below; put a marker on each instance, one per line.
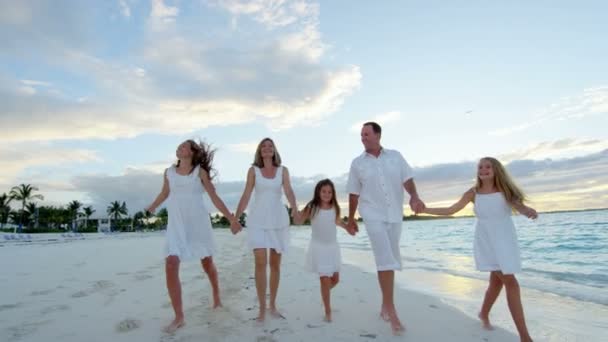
(95, 98)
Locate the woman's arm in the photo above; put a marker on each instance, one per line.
(235, 226)
(291, 198)
(162, 196)
(246, 193)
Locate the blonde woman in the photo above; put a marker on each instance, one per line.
(267, 221)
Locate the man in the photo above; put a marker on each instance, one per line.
(375, 183)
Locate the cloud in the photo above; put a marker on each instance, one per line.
(591, 101)
(125, 10)
(381, 119)
(15, 159)
(568, 183)
(247, 147)
(176, 79)
(557, 149)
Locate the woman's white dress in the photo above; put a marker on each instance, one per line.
(189, 232)
(267, 220)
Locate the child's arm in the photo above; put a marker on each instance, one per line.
(235, 226)
(456, 207)
(162, 196)
(525, 210)
(246, 193)
(302, 216)
(341, 223)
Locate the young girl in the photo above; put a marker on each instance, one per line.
(323, 255)
(268, 221)
(189, 233)
(496, 250)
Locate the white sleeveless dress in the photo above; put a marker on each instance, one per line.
(267, 220)
(495, 245)
(189, 232)
(323, 256)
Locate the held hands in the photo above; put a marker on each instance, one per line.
(351, 227)
(235, 225)
(417, 205)
(150, 209)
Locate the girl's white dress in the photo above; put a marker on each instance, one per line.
(189, 232)
(495, 245)
(323, 256)
(267, 220)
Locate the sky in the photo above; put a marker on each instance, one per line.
(96, 96)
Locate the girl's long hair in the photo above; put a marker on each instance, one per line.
(202, 154)
(503, 182)
(315, 203)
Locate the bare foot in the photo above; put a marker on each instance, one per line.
(485, 322)
(176, 324)
(261, 316)
(384, 314)
(217, 303)
(327, 318)
(275, 313)
(396, 326)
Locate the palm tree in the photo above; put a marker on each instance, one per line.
(88, 211)
(4, 208)
(116, 210)
(73, 208)
(31, 210)
(24, 193)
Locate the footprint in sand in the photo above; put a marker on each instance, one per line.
(141, 277)
(265, 339)
(127, 325)
(17, 332)
(100, 285)
(79, 294)
(42, 293)
(4, 307)
(54, 308)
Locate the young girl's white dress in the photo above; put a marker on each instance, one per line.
(189, 232)
(495, 245)
(267, 220)
(323, 256)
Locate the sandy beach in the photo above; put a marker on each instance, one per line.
(111, 288)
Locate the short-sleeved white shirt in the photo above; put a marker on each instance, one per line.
(379, 183)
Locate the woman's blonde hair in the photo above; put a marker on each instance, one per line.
(503, 182)
(259, 162)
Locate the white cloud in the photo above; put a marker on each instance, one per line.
(125, 10)
(163, 12)
(35, 83)
(247, 147)
(179, 80)
(381, 119)
(591, 101)
(14, 159)
(557, 149)
(570, 183)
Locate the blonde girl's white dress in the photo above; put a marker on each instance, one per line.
(267, 220)
(323, 255)
(189, 232)
(495, 244)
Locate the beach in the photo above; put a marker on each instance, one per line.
(111, 288)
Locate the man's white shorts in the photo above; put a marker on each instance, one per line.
(384, 238)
